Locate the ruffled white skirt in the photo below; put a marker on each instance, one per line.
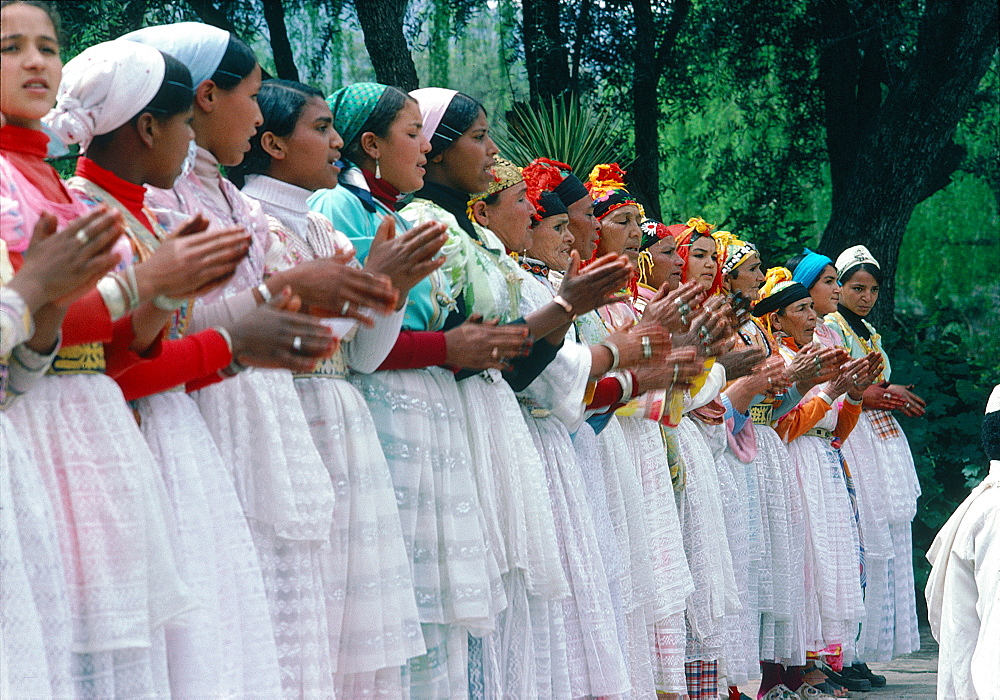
(116, 536)
(225, 647)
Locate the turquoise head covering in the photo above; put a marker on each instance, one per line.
(351, 107)
(808, 269)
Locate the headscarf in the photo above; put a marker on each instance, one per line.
(103, 88)
(543, 177)
(434, 102)
(200, 47)
(652, 233)
(733, 252)
(606, 185)
(810, 267)
(779, 291)
(505, 174)
(851, 258)
(352, 106)
(685, 235)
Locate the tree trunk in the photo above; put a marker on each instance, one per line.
(544, 53)
(906, 153)
(284, 62)
(382, 24)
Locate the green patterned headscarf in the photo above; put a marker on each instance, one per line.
(351, 107)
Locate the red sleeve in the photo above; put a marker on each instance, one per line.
(180, 361)
(118, 353)
(417, 349)
(88, 321)
(607, 394)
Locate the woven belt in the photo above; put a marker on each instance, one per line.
(331, 368)
(820, 433)
(79, 359)
(761, 413)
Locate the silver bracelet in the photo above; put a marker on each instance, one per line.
(615, 355)
(225, 334)
(265, 293)
(565, 305)
(625, 380)
(113, 295)
(165, 303)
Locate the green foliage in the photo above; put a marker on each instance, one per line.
(564, 130)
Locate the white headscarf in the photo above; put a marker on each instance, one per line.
(433, 103)
(103, 88)
(852, 257)
(198, 46)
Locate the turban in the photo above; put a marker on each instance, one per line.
(434, 102)
(505, 174)
(543, 177)
(352, 106)
(652, 233)
(779, 291)
(732, 251)
(570, 189)
(606, 185)
(810, 267)
(103, 88)
(200, 47)
(851, 258)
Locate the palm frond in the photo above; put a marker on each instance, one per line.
(565, 130)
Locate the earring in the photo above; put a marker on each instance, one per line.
(378, 170)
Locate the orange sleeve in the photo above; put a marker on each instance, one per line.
(802, 418)
(848, 418)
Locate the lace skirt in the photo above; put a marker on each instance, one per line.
(225, 647)
(781, 580)
(424, 434)
(594, 658)
(704, 529)
(374, 626)
(257, 421)
(113, 522)
(834, 606)
(35, 633)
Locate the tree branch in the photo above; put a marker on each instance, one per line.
(284, 61)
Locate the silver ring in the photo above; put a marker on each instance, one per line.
(647, 347)
(677, 371)
(495, 354)
(296, 343)
(344, 308)
(82, 237)
(683, 308)
(770, 382)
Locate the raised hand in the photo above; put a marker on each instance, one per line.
(676, 372)
(329, 287)
(61, 266)
(274, 335)
(596, 285)
(478, 344)
(409, 257)
(634, 352)
(912, 405)
(854, 377)
(740, 363)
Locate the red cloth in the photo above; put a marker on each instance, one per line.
(607, 393)
(417, 349)
(26, 150)
(382, 190)
(194, 361)
(131, 195)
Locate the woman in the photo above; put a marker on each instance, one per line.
(296, 152)
(415, 402)
(813, 431)
(885, 452)
(486, 281)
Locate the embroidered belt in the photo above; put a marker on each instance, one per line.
(820, 433)
(79, 359)
(761, 413)
(332, 368)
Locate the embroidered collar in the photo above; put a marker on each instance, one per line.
(535, 267)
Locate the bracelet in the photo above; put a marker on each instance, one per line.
(113, 297)
(165, 303)
(225, 335)
(826, 397)
(615, 355)
(566, 306)
(265, 293)
(234, 368)
(625, 381)
(129, 285)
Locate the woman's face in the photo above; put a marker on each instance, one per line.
(703, 261)
(620, 231)
(584, 227)
(797, 321)
(467, 164)
(510, 217)
(825, 291)
(234, 121)
(403, 152)
(311, 151)
(30, 67)
(170, 147)
(859, 293)
(551, 241)
(667, 264)
(747, 280)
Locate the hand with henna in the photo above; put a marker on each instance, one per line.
(479, 345)
(409, 257)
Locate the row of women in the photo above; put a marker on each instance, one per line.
(380, 414)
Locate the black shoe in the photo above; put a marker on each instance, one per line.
(849, 678)
(876, 680)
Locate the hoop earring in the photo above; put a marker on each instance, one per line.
(378, 170)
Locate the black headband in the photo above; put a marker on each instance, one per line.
(571, 190)
(549, 204)
(780, 299)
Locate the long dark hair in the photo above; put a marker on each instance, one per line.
(281, 103)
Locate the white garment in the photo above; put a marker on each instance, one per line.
(963, 595)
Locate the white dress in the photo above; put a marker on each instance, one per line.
(374, 626)
(257, 421)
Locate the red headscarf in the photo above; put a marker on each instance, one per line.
(685, 235)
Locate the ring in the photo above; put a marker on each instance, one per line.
(677, 370)
(684, 319)
(296, 343)
(854, 378)
(770, 382)
(683, 308)
(819, 365)
(495, 354)
(344, 308)
(647, 347)
(82, 237)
